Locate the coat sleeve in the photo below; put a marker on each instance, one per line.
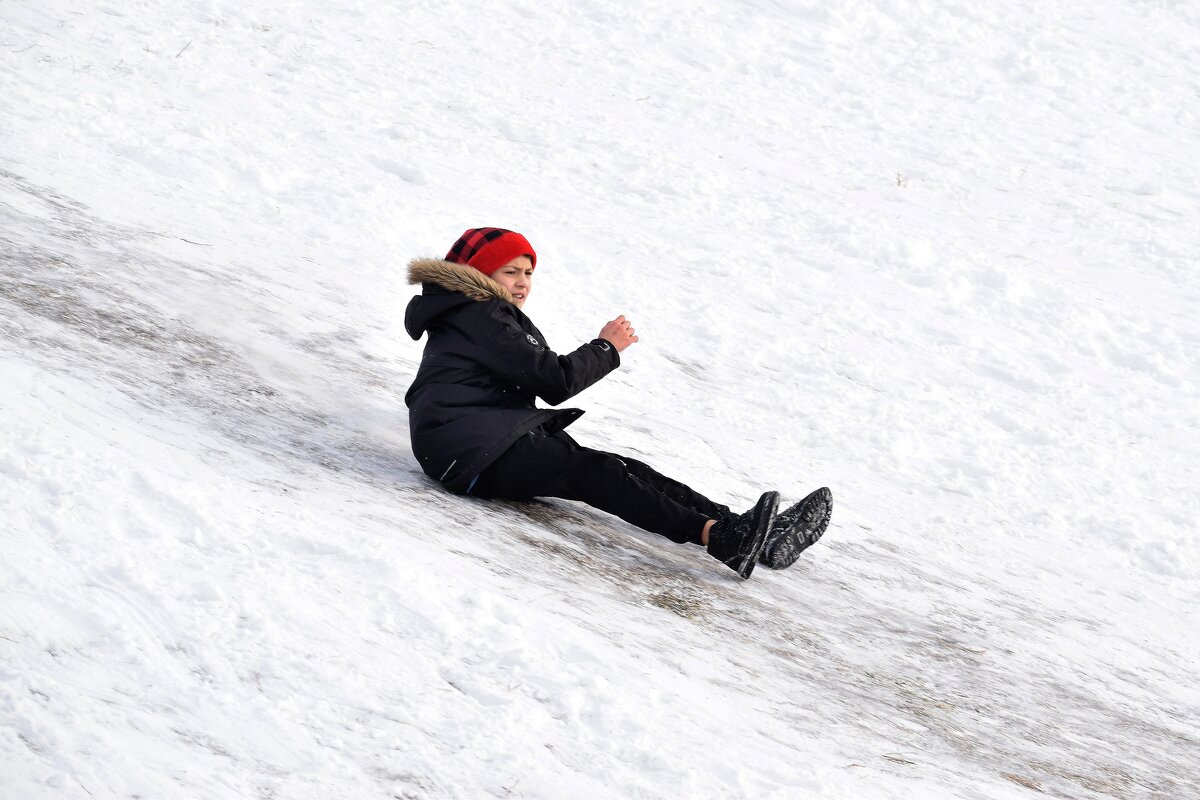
(522, 360)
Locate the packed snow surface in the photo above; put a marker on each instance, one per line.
(939, 256)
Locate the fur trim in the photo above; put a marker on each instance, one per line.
(457, 278)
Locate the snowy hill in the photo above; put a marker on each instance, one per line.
(938, 257)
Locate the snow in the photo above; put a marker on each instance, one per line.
(936, 256)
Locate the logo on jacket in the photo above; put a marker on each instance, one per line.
(533, 340)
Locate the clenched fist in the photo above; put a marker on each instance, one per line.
(619, 332)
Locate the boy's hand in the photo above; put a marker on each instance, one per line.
(619, 332)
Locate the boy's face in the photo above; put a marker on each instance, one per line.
(517, 277)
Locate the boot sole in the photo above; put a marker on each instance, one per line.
(764, 513)
(814, 517)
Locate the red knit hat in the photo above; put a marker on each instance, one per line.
(489, 249)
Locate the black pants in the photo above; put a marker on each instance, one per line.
(557, 466)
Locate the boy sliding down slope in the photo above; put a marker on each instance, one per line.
(476, 430)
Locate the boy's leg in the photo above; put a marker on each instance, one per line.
(555, 466)
(679, 492)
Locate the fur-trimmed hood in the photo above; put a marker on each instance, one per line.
(457, 278)
(447, 286)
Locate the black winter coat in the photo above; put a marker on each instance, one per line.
(483, 366)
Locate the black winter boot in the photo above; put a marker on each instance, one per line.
(797, 529)
(736, 541)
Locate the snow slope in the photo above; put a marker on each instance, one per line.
(933, 255)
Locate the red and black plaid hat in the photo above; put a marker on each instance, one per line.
(489, 249)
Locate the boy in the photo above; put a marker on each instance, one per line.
(476, 430)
